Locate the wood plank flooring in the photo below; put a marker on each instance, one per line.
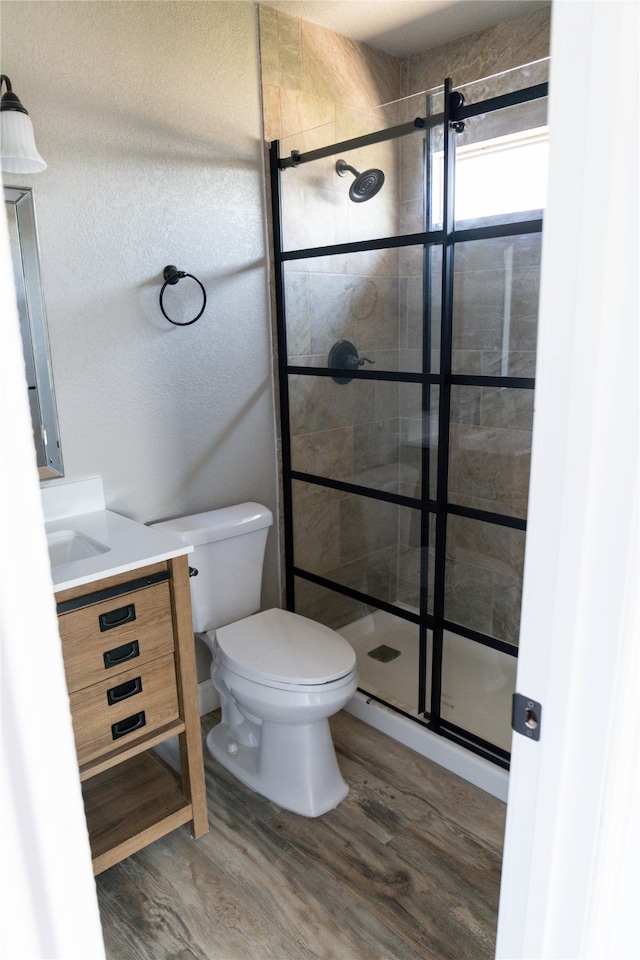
(406, 868)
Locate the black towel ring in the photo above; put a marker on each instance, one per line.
(172, 275)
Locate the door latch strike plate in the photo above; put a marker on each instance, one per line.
(526, 716)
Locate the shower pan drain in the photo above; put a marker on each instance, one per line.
(383, 653)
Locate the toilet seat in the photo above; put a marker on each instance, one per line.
(280, 648)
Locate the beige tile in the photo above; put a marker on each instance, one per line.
(490, 546)
(315, 527)
(345, 71)
(408, 588)
(371, 263)
(289, 51)
(357, 123)
(466, 401)
(268, 30)
(376, 452)
(507, 599)
(312, 217)
(489, 465)
(370, 574)
(468, 592)
(326, 607)
(366, 527)
(317, 403)
(518, 363)
(297, 314)
(504, 407)
(469, 362)
(516, 41)
(271, 112)
(328, 453)
(307, 114)
(363, 310)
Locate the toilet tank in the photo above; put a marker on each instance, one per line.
(228, 554)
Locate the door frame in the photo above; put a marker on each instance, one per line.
(569, 880)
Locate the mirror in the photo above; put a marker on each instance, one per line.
(23, 237)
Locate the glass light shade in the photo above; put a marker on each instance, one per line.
(18, 144)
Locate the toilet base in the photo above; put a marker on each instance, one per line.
(293, 765)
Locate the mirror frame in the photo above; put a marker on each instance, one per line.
(23, 235)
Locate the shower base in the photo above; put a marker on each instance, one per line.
(478, 684)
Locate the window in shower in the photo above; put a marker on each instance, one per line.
(498, 176)
(406, 462)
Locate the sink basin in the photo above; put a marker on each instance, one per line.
(67, 546)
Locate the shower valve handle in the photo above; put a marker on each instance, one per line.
(360, 362)
(344, 356)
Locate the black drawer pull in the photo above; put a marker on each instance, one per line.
(123, 727)
(128, 651)
(116, 618)
(124, 691)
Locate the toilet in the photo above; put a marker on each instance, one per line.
(280, 676)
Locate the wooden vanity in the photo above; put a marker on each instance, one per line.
(129, 657)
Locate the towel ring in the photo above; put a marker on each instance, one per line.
(171, 276)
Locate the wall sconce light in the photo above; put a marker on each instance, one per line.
(17, 140)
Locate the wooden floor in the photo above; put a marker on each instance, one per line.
(407, 867)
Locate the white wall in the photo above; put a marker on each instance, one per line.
(148, 115)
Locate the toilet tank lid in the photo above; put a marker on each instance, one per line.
(220, 524)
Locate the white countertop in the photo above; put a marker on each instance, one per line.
(130, 545)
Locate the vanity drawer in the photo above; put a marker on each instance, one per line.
(101, 640)
(122, 709)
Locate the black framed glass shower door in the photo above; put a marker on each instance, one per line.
(405, 468)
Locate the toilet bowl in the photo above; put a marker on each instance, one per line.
(280, 675)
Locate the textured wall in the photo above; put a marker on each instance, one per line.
(148, 115)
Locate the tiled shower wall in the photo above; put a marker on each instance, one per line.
(316, 81)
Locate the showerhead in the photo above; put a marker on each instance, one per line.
(365, 185)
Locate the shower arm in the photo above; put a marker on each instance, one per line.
(342, 166)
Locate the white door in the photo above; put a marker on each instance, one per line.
(569, 883)
(49, 907)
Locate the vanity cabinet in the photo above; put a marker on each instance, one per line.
(127, 643)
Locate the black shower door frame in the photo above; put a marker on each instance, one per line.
(452, 120)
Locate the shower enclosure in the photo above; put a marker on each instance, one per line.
(406, 255)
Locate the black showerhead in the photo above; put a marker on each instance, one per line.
(365, 185)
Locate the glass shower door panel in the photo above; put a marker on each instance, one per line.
(483, 577)
(386, 179)
(387, 647)
(490, 448)
(375, 299)
(495, 306)
(369, 432)
(418, 442)
(368, 545)
(477, 686)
